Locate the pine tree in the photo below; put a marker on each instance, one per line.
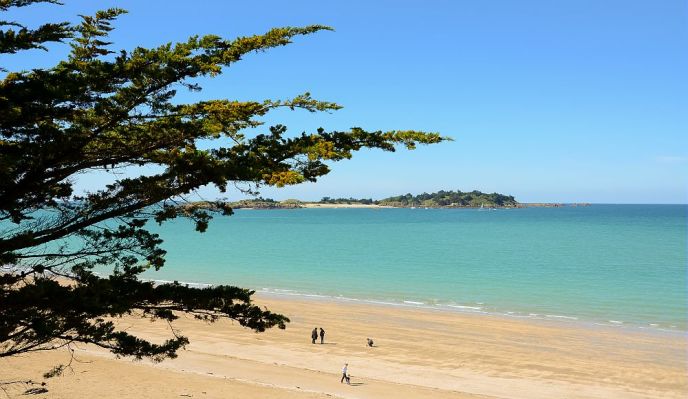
(99, 110)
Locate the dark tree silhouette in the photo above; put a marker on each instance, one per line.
(100, 110)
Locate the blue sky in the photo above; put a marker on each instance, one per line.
(548, 101)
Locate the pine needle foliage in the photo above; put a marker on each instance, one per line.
(105, 110)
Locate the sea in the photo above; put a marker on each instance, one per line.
(615, 265)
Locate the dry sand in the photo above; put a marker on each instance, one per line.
(419, 353)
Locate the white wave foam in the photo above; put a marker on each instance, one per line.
(428, 305)
(556, 316)
(465, 307)
(277, 290)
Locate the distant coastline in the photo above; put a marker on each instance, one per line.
(318, 205)
(439, 200)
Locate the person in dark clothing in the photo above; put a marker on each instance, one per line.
(322, 336)
(370, 342)
(314, 334)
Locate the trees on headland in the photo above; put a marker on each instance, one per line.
(99, 110)
(364, 201)
(440, 199)
(451, 199)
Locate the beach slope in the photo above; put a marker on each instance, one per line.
(419, 353)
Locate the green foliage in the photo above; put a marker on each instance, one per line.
(451, 199)
(348, 201)
(265, 203)
(16, 37)
(101, 110)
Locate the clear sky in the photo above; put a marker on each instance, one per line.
(578, 100)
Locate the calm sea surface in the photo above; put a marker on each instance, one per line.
(609, 264)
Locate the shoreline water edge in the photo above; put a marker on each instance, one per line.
(478, 309)
(618, 265)
(417, 353)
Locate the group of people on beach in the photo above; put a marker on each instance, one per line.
(314, 335)
(345, 370)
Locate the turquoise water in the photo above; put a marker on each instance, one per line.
(610, 264)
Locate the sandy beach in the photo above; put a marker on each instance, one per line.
(312, 205)
(419, 353)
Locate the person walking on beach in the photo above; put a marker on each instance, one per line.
(370, 342)
(314, 334)
(322, 336)
(345, 374)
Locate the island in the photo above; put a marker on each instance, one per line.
(440, 199)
